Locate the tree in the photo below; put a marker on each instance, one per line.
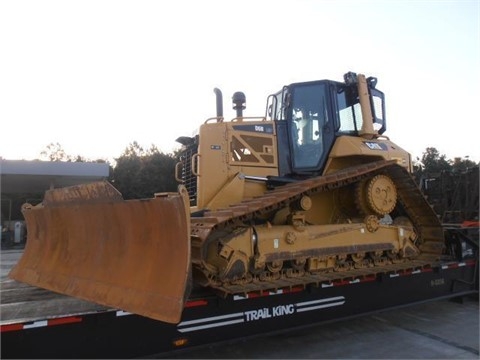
(462, 164)
(54, 152)
(140, 173)
(431, 164)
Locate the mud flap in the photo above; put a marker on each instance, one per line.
(87, 242)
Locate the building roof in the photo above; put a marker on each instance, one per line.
(24, 176)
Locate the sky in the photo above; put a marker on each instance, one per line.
(95, 76)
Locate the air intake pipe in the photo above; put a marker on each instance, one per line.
(239, 101)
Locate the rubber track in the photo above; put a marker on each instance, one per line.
(418, 210)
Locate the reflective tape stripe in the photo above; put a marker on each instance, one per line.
(194, 303)
(122, 313)
(41, 323)
(11, 327)
(252, 295)
(65, 320)
(35, 324)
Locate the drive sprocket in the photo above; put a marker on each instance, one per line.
(377, 195)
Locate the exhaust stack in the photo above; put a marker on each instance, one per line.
(218, 94)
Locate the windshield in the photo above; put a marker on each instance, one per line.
(350, 114)
(349, 111)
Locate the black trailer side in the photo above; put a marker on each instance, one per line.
(207, 319)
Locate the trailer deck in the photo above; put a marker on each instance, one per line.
(36, 323)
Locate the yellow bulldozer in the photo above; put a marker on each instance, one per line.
(313, 187)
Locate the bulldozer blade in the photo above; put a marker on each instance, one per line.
(87, 242)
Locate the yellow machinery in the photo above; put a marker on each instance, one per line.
(310, 191)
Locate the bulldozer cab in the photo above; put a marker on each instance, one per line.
(311, 115)
(231, 160)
